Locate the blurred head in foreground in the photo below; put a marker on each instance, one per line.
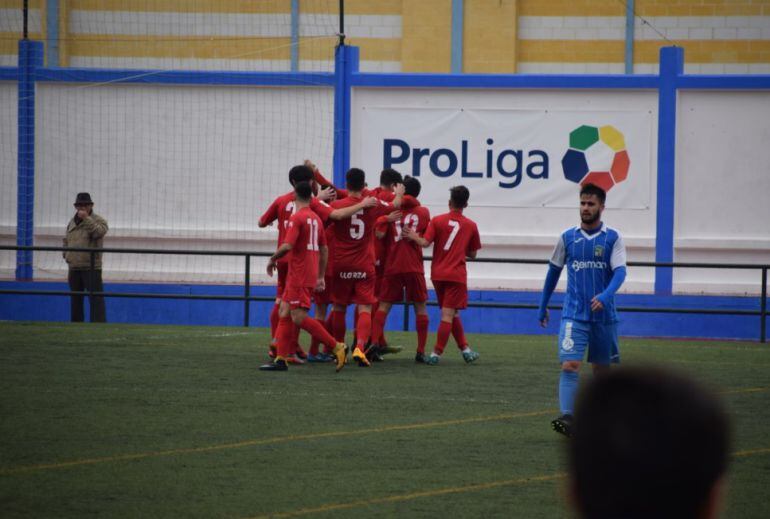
(647, 442)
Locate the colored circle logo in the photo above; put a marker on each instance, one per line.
(596, 156)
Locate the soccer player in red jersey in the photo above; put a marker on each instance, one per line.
(454, 238)
(354, 261)
(404, 267)
(306, 241)
(281, 210)
(389, 179)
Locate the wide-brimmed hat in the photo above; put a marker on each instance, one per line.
(83, 198)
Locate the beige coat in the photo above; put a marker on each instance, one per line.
(88, 233)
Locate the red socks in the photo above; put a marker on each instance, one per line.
(284, 336)
(295, 347)
(378, 324)
(317, 330)
(422, 332)
(274, 321)
(442, 336)
(329, 328)
(338, 325)
(363, 329)
(459, 333)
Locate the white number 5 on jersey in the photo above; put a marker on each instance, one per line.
(357, 225)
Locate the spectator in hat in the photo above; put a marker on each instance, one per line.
(85, 230)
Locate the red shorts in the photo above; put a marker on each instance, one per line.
(297, 297)
(451, 294)
(353, 287)
(283, 273)
(393, 286)
(325, 297)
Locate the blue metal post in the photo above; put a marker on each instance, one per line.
(671, 67)
(457, 36)
(294, 35)
(630, 17)
(345, 63)
(30, 58)
(52, 32)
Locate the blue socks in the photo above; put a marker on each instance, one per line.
(568, 384)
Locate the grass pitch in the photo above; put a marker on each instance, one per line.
(128, 421)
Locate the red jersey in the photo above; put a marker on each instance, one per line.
(454, 237)
(404, 256)
(353, 249)
(306, 235)
(283, 207)
(380, 250)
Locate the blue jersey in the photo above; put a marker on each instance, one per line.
(590, 260)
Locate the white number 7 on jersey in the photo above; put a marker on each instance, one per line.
(455, 229)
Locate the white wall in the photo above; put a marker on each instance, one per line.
(722, 187)
(526, 232)
(171, 167)
(194, 167)
(8, 147)
(8, 174)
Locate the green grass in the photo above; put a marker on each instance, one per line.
(121, 421)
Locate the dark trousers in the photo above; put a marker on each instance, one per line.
(80, 280)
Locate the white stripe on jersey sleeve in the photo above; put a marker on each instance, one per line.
(559, 255)
(618, 258)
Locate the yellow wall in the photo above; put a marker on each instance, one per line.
(489, 35)
(426, 36)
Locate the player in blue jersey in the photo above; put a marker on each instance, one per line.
(595, 257)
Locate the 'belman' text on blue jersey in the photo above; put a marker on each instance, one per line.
(590, 260)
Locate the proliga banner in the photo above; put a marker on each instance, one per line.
(512, 158)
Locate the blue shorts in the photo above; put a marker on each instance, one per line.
(600, 339)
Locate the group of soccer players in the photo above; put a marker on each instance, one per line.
(363, 247)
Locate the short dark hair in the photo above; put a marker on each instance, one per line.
(411, 186)
(303, 190)
(389, 176)
(355, 179)
(300, 173)
(458, 197)
(646, 442)
(593, 189)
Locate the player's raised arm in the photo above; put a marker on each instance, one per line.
(270, 215)
(317, 175)
(342, 213)
(399, 191)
